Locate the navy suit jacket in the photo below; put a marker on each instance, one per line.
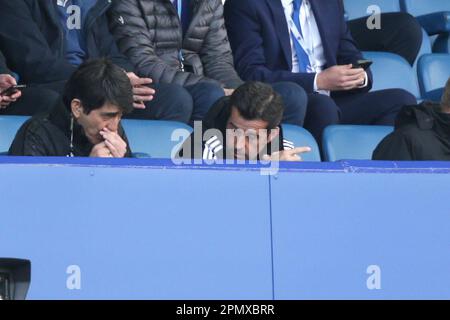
(260, 40)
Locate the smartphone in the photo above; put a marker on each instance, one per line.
(365, 64)
(12, 90)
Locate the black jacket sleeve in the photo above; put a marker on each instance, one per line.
(395, 147)
(25, 47)
(216, 54)
(31, 140)
(3, 67)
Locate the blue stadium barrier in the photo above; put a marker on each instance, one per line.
(155, 139)
(392, 71)
(368, 234)
(302, 138)
(147, 229)
(434, 16)
(433, 72)
(352, 142)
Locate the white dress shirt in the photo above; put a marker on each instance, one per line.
(309, 29)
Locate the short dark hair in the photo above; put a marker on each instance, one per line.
(97, 82)
(446, 96)
(258, 101)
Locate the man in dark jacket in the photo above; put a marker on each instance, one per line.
(87, 122)
(422, 133)
(185, 42)
(44, 41)
(26, 103)
(245, 126)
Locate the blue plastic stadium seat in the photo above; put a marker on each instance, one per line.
(344, 142)
(358, 8)
(434, 72)
(147, 138)
(302, 138)
(9, 125)
(153, 139)
(442, 43)
(434, 16)
(391, 71)
(425, 47)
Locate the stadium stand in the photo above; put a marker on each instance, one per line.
(433, 71)
(352, 142)
(434, 16)
(151, 229)
(155, 139)
(301, 137)
(392, 71)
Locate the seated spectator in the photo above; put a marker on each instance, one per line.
(308, 42)
(245, 126)
(185, 42)
(29, 103)
(422, 133)
(87, 122)
(400, 33)
(45, 41)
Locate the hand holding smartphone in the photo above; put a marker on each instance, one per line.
(364, 64)
(12, 90)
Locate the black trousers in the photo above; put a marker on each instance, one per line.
(373, 108)
(33, 101)
(400, 33)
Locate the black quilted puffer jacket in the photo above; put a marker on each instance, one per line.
(149, 32)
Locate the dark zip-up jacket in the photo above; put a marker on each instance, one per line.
(32, 40)
(422, 133)
(49, 135)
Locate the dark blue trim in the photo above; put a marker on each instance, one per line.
(336, 167)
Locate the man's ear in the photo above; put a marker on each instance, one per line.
(274, 133)
(77, 108)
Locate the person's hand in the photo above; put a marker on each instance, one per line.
(341, 78)
(228, 92)
(141, 92)
(114, 143)
(100, 151)
(287, 155)
(7, 81)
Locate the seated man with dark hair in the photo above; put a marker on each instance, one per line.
(422, 133)
(87, 122)
(245, 126)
